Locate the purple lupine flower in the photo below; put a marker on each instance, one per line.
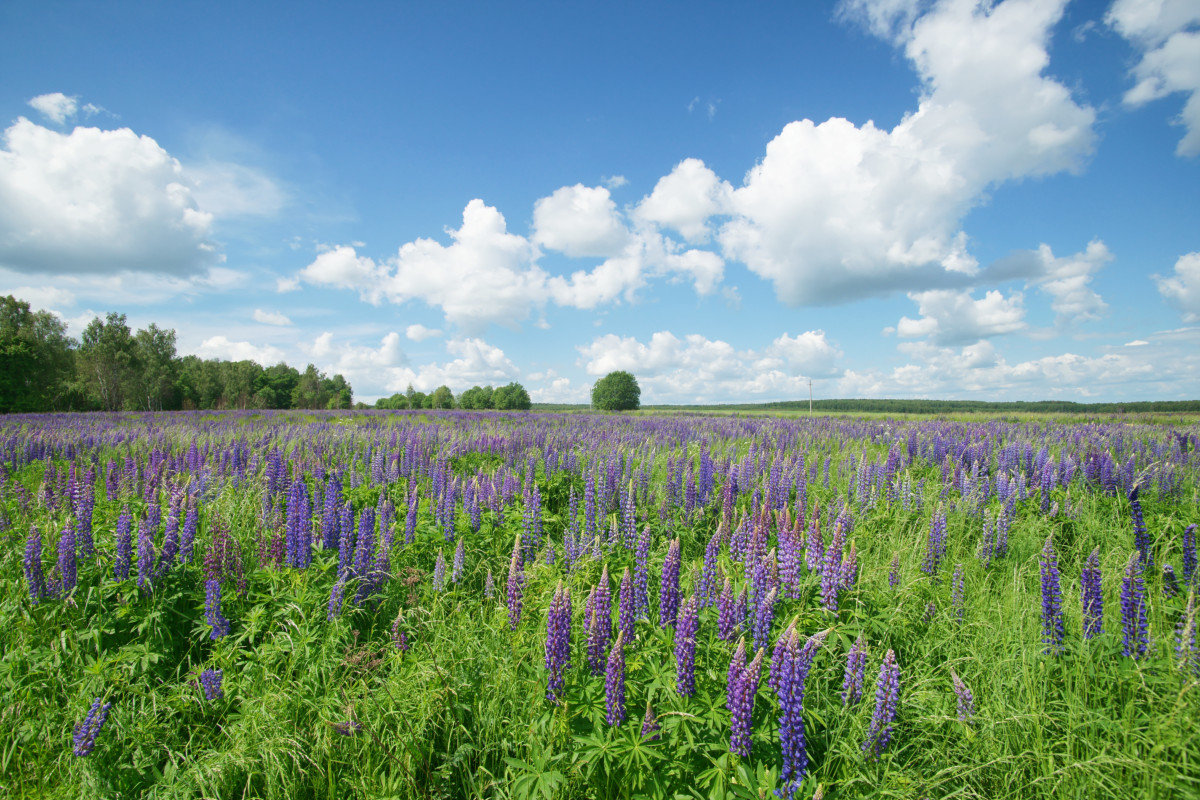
(1052, 614)
(1190, 575)
(650, 726)
(641, 574)
(210, 682)
(34, 578)
(489, 586)
(887, 695)
(67, 560)
(87, 731)
(856, 667)
(516, 584)
(410, 517)
(146, 531)
(958, 594)
(894, 572)
(1185, 639)
(966, 700)
(686, 626)
(935, 546)
(124, 555)
(742, 687)
(456, 572)
(439, 572)
(558, 643)
(625, 606)
(668, 593)
(1134, 622)
(1141, 537)
(790, 666)
(614, 683)
(1170, 586)
(187, 542)
(1091, 597)
(347, 727)
(727, 619)
(212, 610)
(764, 616)
(930, 612)
(706, 591)
(336, 596)
(831, 569)
(399, 640)
(814, 550)
(739, 609)
(850, 569)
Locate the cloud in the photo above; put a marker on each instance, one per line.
(1182, 290)
(1166, 34)
(698, 369)
(97, 201)
(1066, 280)
(579, 221)
(476, 363)
(343, 268)
(614, 181)
(123, 289)
(836, 211)
(56, 106)
(271, 317)
(949, 316)
(226, 189)
(419, 333)
(685, 199)
(222, 348)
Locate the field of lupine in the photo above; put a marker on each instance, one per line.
(381, 604)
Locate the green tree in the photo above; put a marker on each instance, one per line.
(477, 398)
(35, 358)
(158, 369)
(512, 397)
(616, 391)
(108, 365)
(442, 397)
(417, 400)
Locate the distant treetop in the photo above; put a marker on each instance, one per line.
(616, 391)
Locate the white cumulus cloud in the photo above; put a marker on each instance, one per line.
(951, 316)
(419, 333)
(271, 317)
(56, 106)
(221, 347)
(685, 199)
(1182, 289)
(579, 221)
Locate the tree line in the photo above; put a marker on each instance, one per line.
(113, 368)
(511, 397)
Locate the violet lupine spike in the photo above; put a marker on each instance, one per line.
(1186, 652)
(887, 696)
(489, 586)
(641, 574)
(459, 555)
(1090, 595)
(650, 727)
(212, 610)
(191, 524)
(935, 546)
(67, 560)
(707, 588)
(1052, 614)
(439, 572)
(814, 550)
(399, 640)
(856, 667)
(789, 672)
(958, 608)
(831, 571)
(516, 585)
(668, 593)
(124, 549)
(742, 688)
(625, 606)
(1141, 537)
(87, 731)
(1190, 574)
(145, 554)
(764, 616)
(558, 643)
(686, 627)
(850, 568)
(966, 700)
(1134, 622)
(34, 578)
(210, 682)
(894, 571)
(1170, 586)
(614, 683)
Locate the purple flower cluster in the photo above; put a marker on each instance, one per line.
(650, 726)
(516, 584)
(727, 619)
(741, 687)
(958, 608)
(668, 595)
(625, 606)
(33, 566)
(212, 609)
(67, 560)
(210, 682)
(935, 546)
(856, 667)
(1091, 597)
(614, 683)
(558, 642)
(686, 626)
(1185, 639)
(790, 665)
(1052, 614)
(597, 621)
(1141, 537)
(894, 571)
(1134, 622)
(439, 572)
(966, 700)
(887, 696)
(1190, 575)
(124, 555)
(87, 731)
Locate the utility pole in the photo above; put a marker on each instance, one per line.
(810, 395)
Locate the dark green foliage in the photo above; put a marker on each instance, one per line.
(36, 361)
(477, 398)
(616, 391)
(442, 397)
(511, 397)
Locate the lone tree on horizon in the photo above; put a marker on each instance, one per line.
(616, 391)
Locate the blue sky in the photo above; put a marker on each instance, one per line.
(893, 199)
